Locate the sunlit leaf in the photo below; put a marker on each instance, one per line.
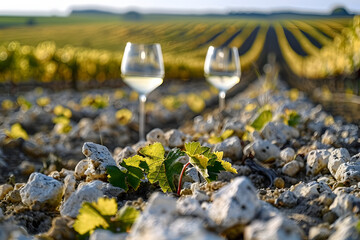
(162, 169)
(43, 101)
(123, 116)
(23, 103)
(195, 103)
(226, 165)
(293, 94)
(263, 118)
(7, 104)
(16, 131)
(95, 215)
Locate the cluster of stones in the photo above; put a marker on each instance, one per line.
(313, 171)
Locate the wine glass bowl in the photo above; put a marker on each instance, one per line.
(142, 68)
(222, 69)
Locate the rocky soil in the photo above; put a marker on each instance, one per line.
(293, 182)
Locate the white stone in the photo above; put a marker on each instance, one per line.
(355, 158)
(343, 204)
(310, 190)
(316, 161)
(231, 148)
(328, 138)
(192, 175)
(287, 199)
(348, 172)
(86, 192)
(346, 228)
(271, 133)
(125, 153)
(156, 135)
(319, 233)
(190, 207)
(81, 168)
(5, 189)
(287, 154)
(102, 234)
(99, 157)
(41, 192)
(69, 186)
(337, 157)
(277, 228)
(291, 168)
(175, 138)
(235, 203)
(1, 214)
(263, 150)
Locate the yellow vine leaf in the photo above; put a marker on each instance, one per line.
(226, 165)
(93, 215)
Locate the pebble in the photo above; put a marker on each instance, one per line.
(99, 157)
(346, 228)
(124, 154)
(343, 204)
(316, 161)
(234, 204)
(278, 227)
(41, 192)
(287, 199)
(273, 134)
(348, 172)
(287, 154)
(263, 150)
(5, 189)
(291, 168)
(101, 234)
(156, 135)
(80, 169)
(328, 138)
(337, 157)
(231, 147)
(319, 232)
(279, 182)
(86, 192)
(175, 138)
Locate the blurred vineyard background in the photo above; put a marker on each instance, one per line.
(88, 46)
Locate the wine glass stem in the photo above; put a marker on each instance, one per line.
(222, 95)
(142, 100)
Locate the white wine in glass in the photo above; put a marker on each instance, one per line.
(142, 68)
(222, 70)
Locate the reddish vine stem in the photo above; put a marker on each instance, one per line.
(181, 176)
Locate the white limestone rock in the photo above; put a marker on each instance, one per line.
(287, 154)
(190, 207)
(125, 153)
(263, 150)
(86, 192)
(41, 192)
(310, 190)
(287, 199)
(175, 138)
(277, 228)
(231, 148)
(346, 228)
(156, 135)
(348, 172)
(81, 168)
(5, 189)
(99, 157)
(337, 157)
(328, 138)
(343, 204)
(69, 186)
(316, 161)
(291, 168)
(234, 204)
(273, 134)
(102, 234)
(355, 158)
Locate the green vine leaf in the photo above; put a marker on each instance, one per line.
(263, 118)
(132, 176)
(162, 169)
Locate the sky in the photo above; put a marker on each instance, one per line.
(63, 7)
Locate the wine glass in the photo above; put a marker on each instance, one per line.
(142, 68)
(222, 70)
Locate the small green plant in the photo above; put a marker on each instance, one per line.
(104, 214)
(62, 119)
(161, 168)
(16, 131)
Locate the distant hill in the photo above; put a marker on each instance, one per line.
(133, 15)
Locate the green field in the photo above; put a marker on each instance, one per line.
(92, 44)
